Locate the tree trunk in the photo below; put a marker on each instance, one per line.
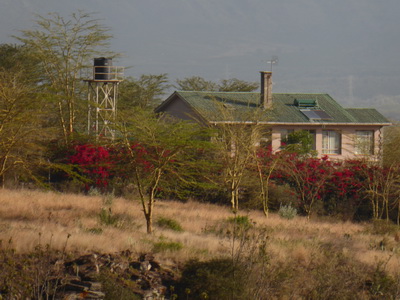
(149, 224)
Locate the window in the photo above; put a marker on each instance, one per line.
(284, 135)
(313, 134)
(266, 138)
(331, 142)
(364, 143)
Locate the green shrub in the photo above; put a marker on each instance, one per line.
(169, 224)
(163, 246)
(243, 222)
(115, 288)
(287, 212)
(217, 278)
(384, 227)
(106, 217)
(94, 191)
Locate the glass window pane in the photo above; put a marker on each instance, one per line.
(331, 142)
(364, 142)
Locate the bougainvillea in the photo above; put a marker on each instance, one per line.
(94, 162)
(307, 176)
(341, 187)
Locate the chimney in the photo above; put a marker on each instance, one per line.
(266, 90)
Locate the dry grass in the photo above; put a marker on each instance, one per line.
(31, 217)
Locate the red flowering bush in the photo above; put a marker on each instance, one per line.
(340, 187)
(307, 176)
(94, 162)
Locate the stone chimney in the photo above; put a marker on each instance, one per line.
(266, 90)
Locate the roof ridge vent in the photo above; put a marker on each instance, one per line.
(306, 103)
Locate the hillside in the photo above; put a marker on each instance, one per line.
(299, 256)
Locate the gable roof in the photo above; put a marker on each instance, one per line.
(286, 108)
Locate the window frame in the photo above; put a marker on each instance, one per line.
(330, 137)
(364, 144)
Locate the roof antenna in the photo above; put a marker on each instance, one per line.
(272, 61)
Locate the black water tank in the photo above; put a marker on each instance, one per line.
(102, 68)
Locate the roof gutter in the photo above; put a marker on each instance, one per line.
(299, 123)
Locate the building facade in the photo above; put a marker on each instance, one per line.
(340, 133)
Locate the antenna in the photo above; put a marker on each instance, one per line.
(273, 60)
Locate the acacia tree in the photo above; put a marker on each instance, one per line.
(64, 48)
(237, 135)
(197, 83)
(381, 184)
(157, 147)
(19, 122)
(18, 59)
(391, 149)
(266, 163)
(144, 92)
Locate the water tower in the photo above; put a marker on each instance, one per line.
(102, 97)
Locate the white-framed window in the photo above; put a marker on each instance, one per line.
(284, 134)
(313, 134)
(364, 143)
(331, 142)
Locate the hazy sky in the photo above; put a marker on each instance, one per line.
(347, 48)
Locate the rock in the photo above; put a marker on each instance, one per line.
(79, 278)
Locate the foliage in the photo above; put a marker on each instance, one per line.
(157, 148)
(144, 92)
(20, 123)
(107, 217)
(237, 85)
(307, 176)
(33, 276)
(299, 142)
(242, 222)
(94, 162)
(115, 288)
(342, 188)
(163, 246)
(234, 145)
(383, 227)
(214, 278)
(197, 83)
(287, 212)
(265, 164)
(169, 223)
(391, 149)
(18, 59)
(64, 48)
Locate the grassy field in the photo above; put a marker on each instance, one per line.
(29, 217)
(183, 231)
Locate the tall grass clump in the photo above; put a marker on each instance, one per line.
(106, 215)
(169, 223)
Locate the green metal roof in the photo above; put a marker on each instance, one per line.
(367, 115)
(284, 109)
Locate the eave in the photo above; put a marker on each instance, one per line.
(300, 123)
